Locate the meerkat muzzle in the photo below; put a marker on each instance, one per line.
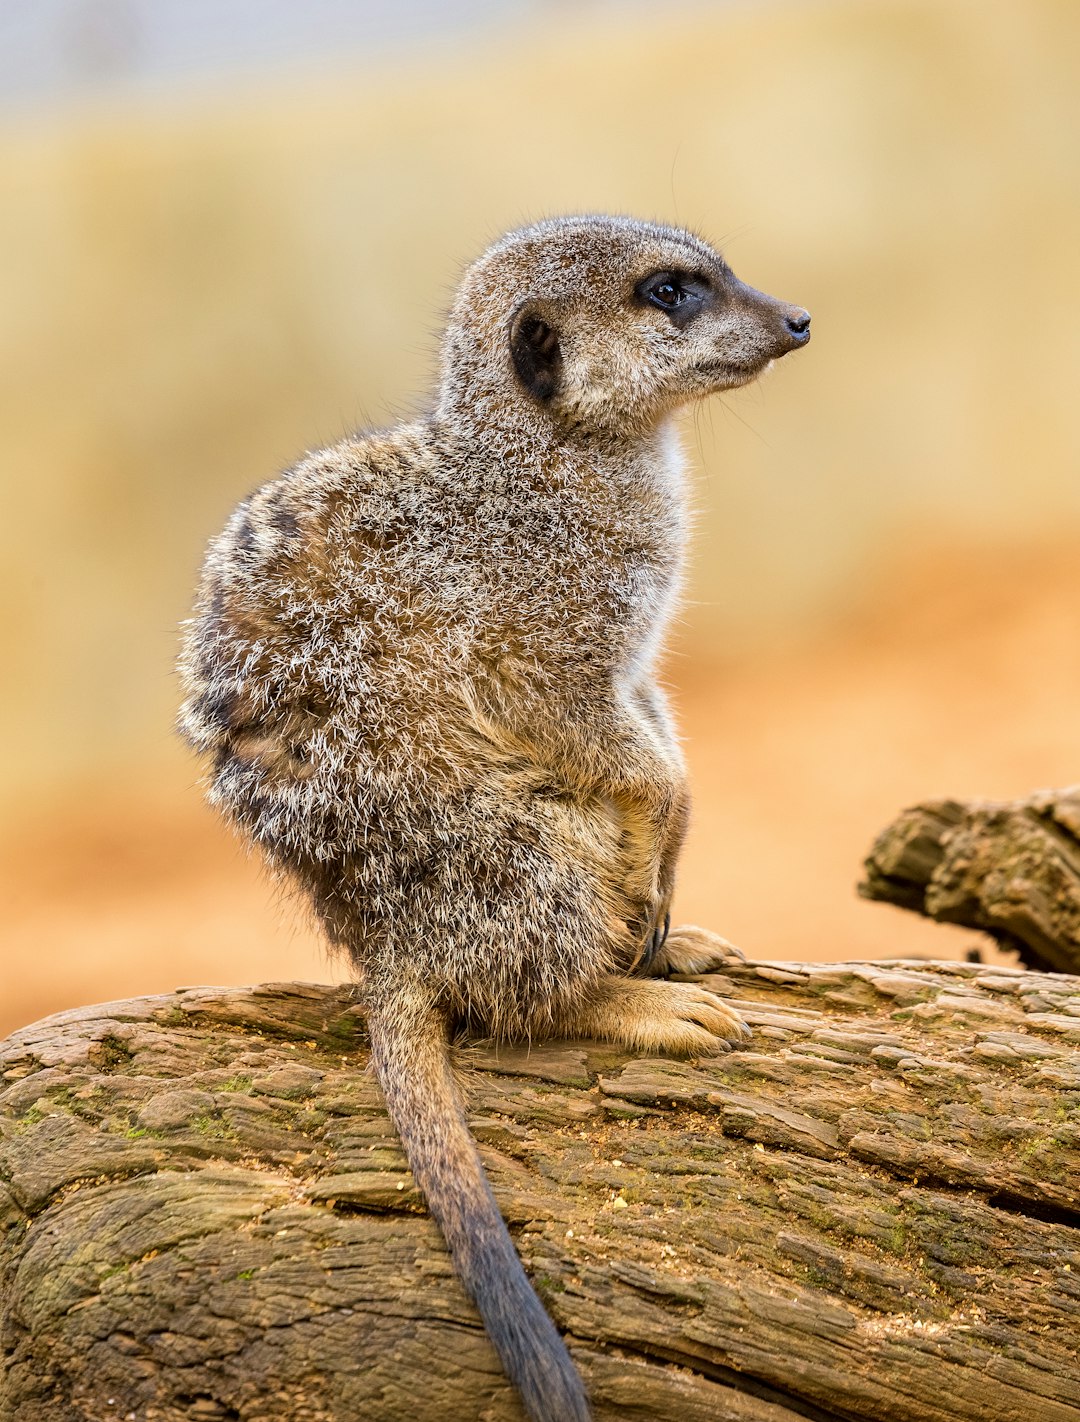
(798, 326)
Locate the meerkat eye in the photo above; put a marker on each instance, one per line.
(678, 294)
(667, 294)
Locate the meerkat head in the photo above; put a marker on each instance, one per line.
(603, 323)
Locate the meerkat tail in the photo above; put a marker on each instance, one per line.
(412, 1059)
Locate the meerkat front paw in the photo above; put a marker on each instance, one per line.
(648, 926)
(650, 933)
(692, 951)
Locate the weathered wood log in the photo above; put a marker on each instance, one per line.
(871, 1213)
(1010, 869)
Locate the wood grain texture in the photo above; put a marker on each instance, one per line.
(870, 1213)
(1010, 868)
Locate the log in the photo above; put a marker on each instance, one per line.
(870, 1213)
(1010, 869)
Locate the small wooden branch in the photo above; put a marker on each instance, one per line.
(1011, 869)
(869, 1213)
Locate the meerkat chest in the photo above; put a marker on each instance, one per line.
(599, 557)
(643, 526)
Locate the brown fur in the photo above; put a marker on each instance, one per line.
(424, 663)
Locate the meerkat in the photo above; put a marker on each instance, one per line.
(424, 663)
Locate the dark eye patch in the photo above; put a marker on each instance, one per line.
(680, 295)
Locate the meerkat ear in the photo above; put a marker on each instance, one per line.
(534, 345)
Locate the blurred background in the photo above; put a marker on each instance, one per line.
(228, 229)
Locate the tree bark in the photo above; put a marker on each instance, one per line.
(870, 1213)
(1011, 869)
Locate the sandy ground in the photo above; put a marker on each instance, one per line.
(962, 678)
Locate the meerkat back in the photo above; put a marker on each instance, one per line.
(422, 666)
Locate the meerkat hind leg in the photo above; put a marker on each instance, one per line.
(652, 1016)
(692, 951)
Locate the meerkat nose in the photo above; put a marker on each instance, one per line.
(798, 324)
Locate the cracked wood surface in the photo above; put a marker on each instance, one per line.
(870, 1213)
(1009, 868)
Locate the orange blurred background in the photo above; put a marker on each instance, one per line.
(204, 272)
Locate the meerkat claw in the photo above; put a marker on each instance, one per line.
(655, 944)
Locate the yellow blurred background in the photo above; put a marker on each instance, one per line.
(201, 278)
